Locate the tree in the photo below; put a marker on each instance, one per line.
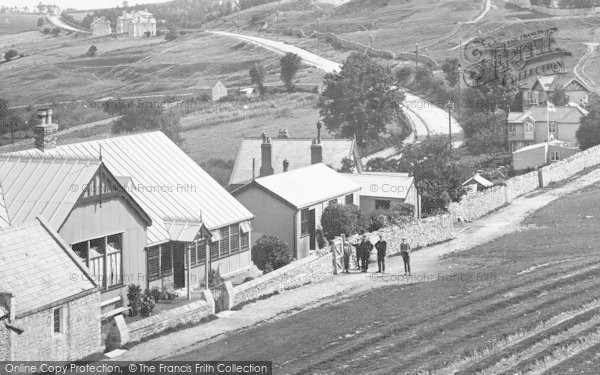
(450, 69)
(270, 253)
(257, 75)
(11, 54)
(347, 166)
(4, 115)
(172, 34)
(361, 101)
(559, 96)
(219, 169)
(290, 64)
(46, 30)
(55, 31)
(154, 118)
(340, 219)
(588, 134)
(41, 21)
(438, 177)
(403, 74)
(92, 50)
(487, 132)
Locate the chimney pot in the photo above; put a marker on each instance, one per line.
(45, 132)
(286, 165)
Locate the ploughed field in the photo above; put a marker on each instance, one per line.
(526, 303)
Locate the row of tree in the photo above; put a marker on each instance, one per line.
(290, 63)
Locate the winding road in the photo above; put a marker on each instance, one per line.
(58, 23)
(579, 69)
(426, 117)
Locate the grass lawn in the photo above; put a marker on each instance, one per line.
(15, 22)
(526, 301)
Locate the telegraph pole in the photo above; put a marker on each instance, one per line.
(450, 107)
(459, 70)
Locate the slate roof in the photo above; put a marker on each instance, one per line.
(518, 116)
(306, 186)
(561, 114)
(295, 150)
(163, 180)
(38, 267)
(477, 178)
(551, 82)
(388, 185)
(34, 185)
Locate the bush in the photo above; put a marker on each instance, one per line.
(46, 31)
(214, 278)
(395, 215)
(171, 35)
(55, 31)
(92, 51)
(321, 240)
(155, 293)
(133, 295)
(270, 253)
(341, 219)
(148, 34)
(11, 54)
(146, 303)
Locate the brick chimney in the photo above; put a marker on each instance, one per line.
(316, 149)
(266, 167)
(286, 165)
(45, 132)
(283, 133)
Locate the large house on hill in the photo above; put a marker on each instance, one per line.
(531, 127)
(261, 156)
(135, 208)
(136, 24)
(536, 89)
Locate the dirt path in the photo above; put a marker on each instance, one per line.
(424, 262)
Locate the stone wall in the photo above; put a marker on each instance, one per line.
(572, 165)
(310, 269)
(193, 312)
(475, 205)
(79, 338)
(4, 342)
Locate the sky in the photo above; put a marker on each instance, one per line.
(77, 4)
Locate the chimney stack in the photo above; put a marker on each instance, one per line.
(316, 149)
(266, 167)
(286, 165)
(283, 133)
(45, 132)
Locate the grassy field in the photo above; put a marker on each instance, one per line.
(11, 23)
(525, 303)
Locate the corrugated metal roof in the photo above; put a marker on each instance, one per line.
(165, 182)
(309, 185)
(43, 186)
(383, 184)
(38, 268)
(183, 230)
(4, 219)
(295, 150)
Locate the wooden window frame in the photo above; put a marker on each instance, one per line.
(304, 219)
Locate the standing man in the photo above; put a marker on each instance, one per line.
(347, 254)
(366, 247)
(358, 246)
(405, 252)
(381, 247)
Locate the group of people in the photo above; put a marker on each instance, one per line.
(363, 253)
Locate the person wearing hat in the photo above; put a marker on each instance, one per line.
(381, 247)
(357, 245)
(366, 246)
(405, 252)
(347, 252)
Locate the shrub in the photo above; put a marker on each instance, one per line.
(92, 51)
(214, 278)
(270, 253)
(321, 240)
(146, 304)
(133, 295)
(341, 219)
(46, 30)
(148, 34)
(171, 35)
(11, 54)
(156, 294)
(55, 31)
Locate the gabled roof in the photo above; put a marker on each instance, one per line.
(383, 184)
(3, 312)
(165, 181)
(551, 82)
(519, 116)
(33, 185)
(561, 114)
(544, 145)
(306, 186)
(38, 267)
(477, 178)
(295, 150)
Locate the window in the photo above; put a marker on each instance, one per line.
(511, 127)
(166, 264)
(381, 204)
(555, 156)
(202, 251)
(153, 263)
(245, 245)
(349, 199)
(304, 222)
(192, 251)
(528, 127)
(114, 273)
(96, 262)
(57, 320)
(214, 250)
(234, 232)
(224, 248)
(553, 127)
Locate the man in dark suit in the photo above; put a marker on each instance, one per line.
(405, 252)
(381, 247)
(366, 247)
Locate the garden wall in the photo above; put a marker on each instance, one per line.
(310, 269)
(190, 313)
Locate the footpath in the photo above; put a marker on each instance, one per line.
(338, 287)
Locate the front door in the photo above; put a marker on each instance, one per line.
(179, 265)
(312, 228)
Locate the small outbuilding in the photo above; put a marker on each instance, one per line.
(540, 154)
(218, 91)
